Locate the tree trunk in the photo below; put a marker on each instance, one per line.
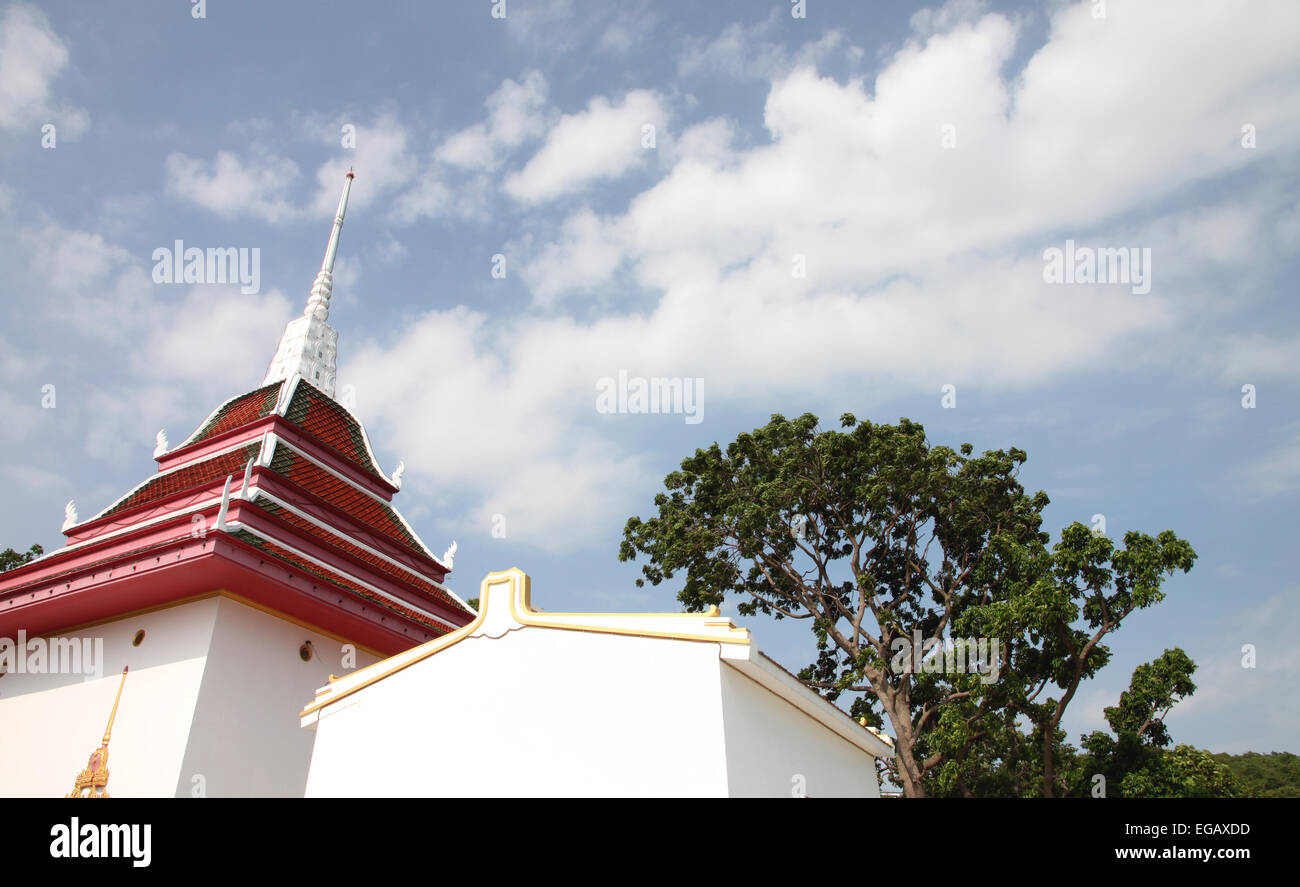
(909, 771)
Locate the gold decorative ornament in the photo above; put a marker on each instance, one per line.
(92, 782)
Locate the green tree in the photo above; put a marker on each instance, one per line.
(1185, 772)
(10, 558)
(1275, 775)
(883, 541)
(1134, 761)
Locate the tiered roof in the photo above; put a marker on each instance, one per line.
(276, 497)
(236, 413)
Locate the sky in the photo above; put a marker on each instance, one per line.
(850, 209)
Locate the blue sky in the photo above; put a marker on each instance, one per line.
(820, 137)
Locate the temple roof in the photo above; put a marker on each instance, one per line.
(312, 497)
(236, 413)
(187, 477)
(311, 410)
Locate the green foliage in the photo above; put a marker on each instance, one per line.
(878, 538)
(1134, 762)
(9, 559)
(1274, 775)
(1152, 692)
(1185, 772)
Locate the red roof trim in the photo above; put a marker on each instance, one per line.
(186, 478)
(333, 578)
(402, 577)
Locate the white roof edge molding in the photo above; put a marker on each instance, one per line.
(763, 670)
(505, 605)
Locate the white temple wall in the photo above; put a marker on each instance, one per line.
(214, 690)
(775, 750)
(245, 740)
(534, 712)
(51, 723)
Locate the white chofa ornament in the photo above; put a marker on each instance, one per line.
(397, 474)
(161, 443)
(70, 514)
(449, 555)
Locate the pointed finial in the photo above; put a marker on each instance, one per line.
(449, 555)
(397, 474)
(70, 515)
(309, 346)
(161, 443)
(318, 305)
(92, 782)
(108, 731)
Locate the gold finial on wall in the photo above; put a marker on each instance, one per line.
(92, 782)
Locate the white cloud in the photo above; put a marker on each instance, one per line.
(515, 114)
(602, 142)
(119, 331)
(924, 265)
(181, 349)
(233, 186)
(528, 18)
(22, 413)
(926, 22)
(1288, 230)
(629, 29)
(1239, 699)
(524, 463)
(45, 484)
(71, 261)
(554, 27)
(99, 288)
(756, 51)
(391, 251)
(382, 163)
(429, 198)
(863, 179)
(347, 274)
(1273, 473)
(31, 57)
(587, 253)
(1250, 359)
(259, 185)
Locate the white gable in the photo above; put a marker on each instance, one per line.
(525, 702)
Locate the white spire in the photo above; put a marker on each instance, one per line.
(318, 304)
(309, 345)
